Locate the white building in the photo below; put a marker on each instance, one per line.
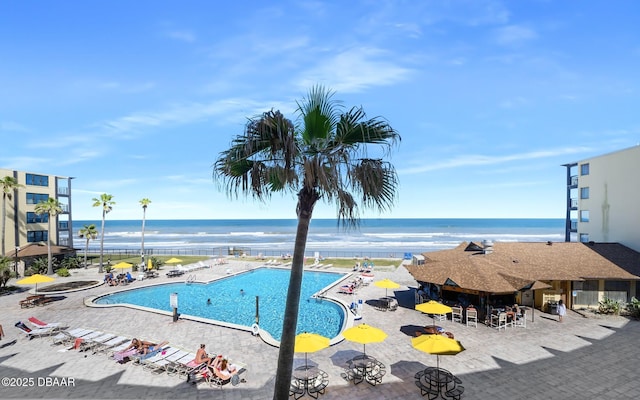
(603, 195)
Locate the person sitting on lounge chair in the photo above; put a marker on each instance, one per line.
(150, 347)
(202, 357)
(223, 370)
(134, 348)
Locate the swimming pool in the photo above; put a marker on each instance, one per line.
(233, 300)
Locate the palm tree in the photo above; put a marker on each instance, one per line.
(9, 185)
(51, 207)
(326, 156)
(144, 203)
(106, 202)
(88, 232)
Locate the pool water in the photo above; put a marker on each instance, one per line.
(233, 300)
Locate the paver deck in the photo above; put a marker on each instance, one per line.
(581, 358)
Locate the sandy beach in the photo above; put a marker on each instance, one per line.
(584, 357)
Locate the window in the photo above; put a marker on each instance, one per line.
(37, 236)
(584, 238)
(584, 169)
(37, 180)
(584, 192)
(584, 215)
(33, 218)
(35, 198)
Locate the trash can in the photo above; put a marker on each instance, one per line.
(552, 306)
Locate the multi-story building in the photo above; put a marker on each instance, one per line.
(602, 199)
(22, 225)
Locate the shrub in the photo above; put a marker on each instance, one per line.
(5, 271)
(609, 306)
(634, 308)
(63, 272)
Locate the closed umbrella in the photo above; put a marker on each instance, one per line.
(364, 334)
(310, 343)
(35, 279)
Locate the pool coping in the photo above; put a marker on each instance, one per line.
(349, 319)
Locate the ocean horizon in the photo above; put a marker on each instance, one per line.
(392, 237)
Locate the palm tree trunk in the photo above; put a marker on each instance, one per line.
(86, 247)
(144, 215)
(102, 240)
(4, 220)
(306, 202)
(49, 263)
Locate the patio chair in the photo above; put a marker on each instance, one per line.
(375, 374)
(472, 317)
(319, 385)
(521, 319)
(296, 389)
(456, 314)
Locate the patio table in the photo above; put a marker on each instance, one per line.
(437, 382)
(307, 377)
(359, 366)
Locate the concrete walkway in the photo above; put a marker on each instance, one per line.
(581, 358)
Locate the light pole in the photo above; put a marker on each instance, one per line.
(16, 264)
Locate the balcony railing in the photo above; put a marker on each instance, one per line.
(574, 181)
(63, 225)
(64, 191)
(65, 208)
(574, 226)
(574, 203)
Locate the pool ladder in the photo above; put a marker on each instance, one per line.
(191, 278)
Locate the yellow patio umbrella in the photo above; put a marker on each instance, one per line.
(386, 284)
(433, 307)
(122, 265)
(310, 343)
(438, 345)
(364, 334)
(173, 260)
(35, 278)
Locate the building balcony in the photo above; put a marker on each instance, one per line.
(573, 182)
(64, 191)
(63, 225)
(573, 226)
(573, 204)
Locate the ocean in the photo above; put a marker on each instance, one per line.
(274, 237)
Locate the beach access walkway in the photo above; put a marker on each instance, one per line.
(581, 358)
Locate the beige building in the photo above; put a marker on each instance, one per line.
(602, 199)
(22, 225)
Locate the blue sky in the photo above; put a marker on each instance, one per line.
(138, 98)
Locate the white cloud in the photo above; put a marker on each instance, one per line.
(355, 70)
(11, 126)
(182, 35)
(514, 35)
(478, 160)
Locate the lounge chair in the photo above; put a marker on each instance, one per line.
(39, 324)
(138, 358)
(104, 347)
(156, 362)
(215, 380)
(90, 343)
(67, 337)
(33, 333)
(30, 301)
(184, 365)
